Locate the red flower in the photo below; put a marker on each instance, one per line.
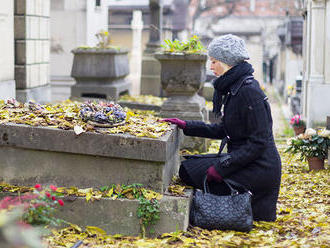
(53, 198)
(53, 188)
(61, 202)
(37, 186)
(48, 194)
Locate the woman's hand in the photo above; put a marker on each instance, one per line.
(213, 175)
(180, 123)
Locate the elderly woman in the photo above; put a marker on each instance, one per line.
(246, 122)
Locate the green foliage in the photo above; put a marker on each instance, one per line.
(310, 144)
(103, 38)
(148, 212)
(42, 208)
(192, 46)
(103, 42)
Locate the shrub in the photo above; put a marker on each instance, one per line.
(193, 45)
(39, 206)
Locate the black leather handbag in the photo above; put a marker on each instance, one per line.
(225, 212)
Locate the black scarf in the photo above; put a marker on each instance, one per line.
(224, 83)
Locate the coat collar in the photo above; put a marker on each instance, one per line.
(235, 88)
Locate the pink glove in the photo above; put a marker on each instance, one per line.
(213, 175)
(180, 123)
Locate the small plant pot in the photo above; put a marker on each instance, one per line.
(299, 130)
(315, 163)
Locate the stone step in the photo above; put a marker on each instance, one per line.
(119, 216)
(31, 155)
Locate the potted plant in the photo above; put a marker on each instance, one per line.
(182, 75)
(299, 126)
(100, 71)
(311, 146)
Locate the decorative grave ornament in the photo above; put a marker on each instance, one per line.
(103, 114)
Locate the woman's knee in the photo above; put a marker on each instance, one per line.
(184, 176)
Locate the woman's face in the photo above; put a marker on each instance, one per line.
(218, 67)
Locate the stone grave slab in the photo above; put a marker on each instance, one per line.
(46, 155)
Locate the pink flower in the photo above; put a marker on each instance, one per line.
(53, 198)
(37, 186)
(53, 188)
(48, 194)
(60, 202)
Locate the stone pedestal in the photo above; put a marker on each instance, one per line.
(150, 76)
(100, 73)
(182, 75)
(185, 107)
(41, 94)
(208, 91)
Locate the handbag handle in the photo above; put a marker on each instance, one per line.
(229, 183)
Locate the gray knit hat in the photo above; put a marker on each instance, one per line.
(229, 49)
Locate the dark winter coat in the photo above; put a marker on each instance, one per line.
(247, 121)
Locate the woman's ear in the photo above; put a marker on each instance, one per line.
(225, 67)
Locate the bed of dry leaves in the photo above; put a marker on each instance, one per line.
(303, 212)
(65, 115)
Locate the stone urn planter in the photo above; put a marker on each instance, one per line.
(315, 163)
(100, 73)
(182, 75)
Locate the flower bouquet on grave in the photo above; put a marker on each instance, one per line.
(299, 126)
(103, 114)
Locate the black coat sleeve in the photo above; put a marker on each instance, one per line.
(256, 112)
(201, 129)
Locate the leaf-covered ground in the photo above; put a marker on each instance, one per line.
(303, 212)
